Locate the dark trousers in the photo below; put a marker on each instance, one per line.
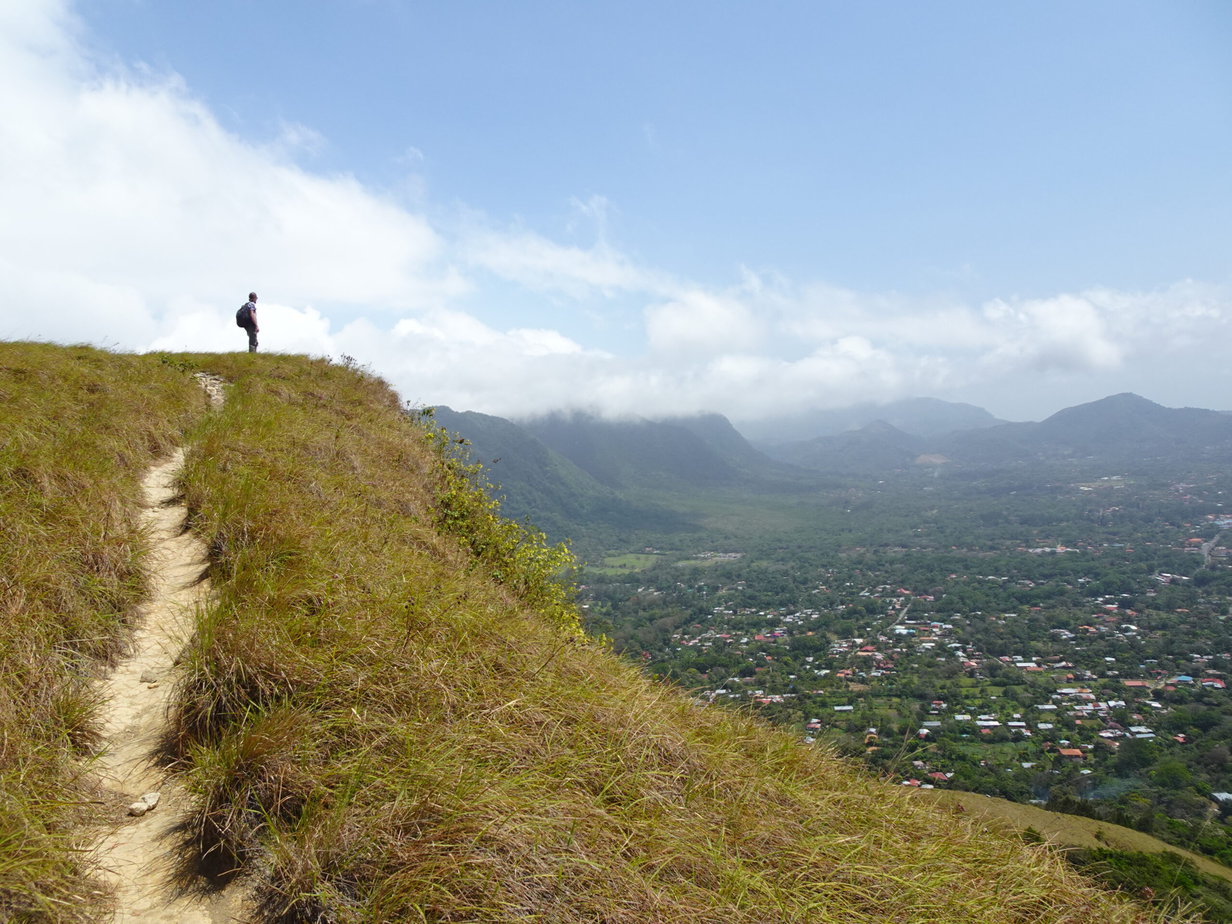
(252, 337)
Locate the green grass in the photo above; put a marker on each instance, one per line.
(1130, 860)
(624, 563)
(389, 714)
(1165, 879)
(80, 426)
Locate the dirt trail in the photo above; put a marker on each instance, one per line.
(143, 857)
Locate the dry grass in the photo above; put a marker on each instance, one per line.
(79, 428)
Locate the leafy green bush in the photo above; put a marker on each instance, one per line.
(515, 555)
(1165, 879)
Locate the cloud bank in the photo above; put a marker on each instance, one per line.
(133, 219)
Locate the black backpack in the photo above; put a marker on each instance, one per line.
(243, 317)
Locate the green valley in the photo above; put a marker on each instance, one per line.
(1065, 644)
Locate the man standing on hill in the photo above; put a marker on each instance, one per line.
(246, 318)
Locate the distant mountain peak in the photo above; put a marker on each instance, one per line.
(1123, 400)
(1115, 410)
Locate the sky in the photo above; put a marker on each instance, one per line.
(634, 207)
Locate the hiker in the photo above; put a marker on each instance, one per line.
(246, 318)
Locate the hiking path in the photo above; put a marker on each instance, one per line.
(144, 855)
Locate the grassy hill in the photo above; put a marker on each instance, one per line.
(632, 453)
(388, 712)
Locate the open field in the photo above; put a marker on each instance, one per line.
(626, 562)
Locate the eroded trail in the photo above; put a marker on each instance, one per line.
(143, 855)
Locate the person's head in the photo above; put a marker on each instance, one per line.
(252, 296)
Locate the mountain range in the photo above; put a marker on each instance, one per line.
(573, 472)
(1123, 430)
(563, 469)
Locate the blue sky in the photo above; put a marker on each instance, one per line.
(635, 207)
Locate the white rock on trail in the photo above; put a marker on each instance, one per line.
(145, 804)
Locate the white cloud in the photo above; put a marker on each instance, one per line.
(451, 358)
(1064, 333)
(592, 210)
(701, 323)
(133, 219)
(194, 326)
(123, 181)
(68, 306)
(542, 265)
(294, 138)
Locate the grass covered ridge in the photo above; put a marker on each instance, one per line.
(389, 714)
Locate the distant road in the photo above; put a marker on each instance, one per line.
(901, 616)
(1208, 547)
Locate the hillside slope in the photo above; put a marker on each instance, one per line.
(390, 714)
(876, 447)
(535, 482)
(646, 453)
